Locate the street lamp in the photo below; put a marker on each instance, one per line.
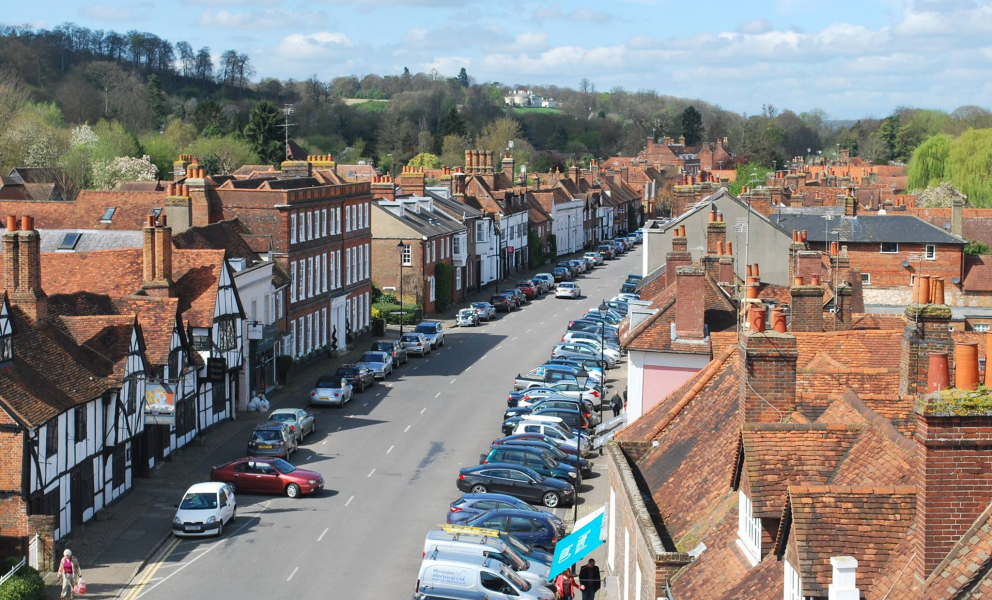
(402, 248)
(602, 361)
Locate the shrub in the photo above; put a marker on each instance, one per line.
(26, 584)
(443, 274)
(389, 311)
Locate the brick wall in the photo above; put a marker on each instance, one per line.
(11, 459)
(807, 308)
(768, 388)
(886, 270)
(927, 330)
(13, 524)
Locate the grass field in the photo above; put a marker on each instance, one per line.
(539, 111)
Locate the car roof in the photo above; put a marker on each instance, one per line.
(497, 465)
(206, 487)
(269, 425)
(513, 512)
(489, 495)
(284, 410)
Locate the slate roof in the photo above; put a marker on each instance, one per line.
(423, 223)
(869, 229)
(89, 239)
(454, 208)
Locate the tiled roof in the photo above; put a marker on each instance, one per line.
(977, 273)
(964, 573)
(868, 523)
(197, 277)
(106, 338)
(223, 235)
(870, 228)
(654, 333)
(89, 206)
(157, 319)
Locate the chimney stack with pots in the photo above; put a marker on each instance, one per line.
(22, 268)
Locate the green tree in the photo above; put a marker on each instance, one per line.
(749, 174)
(889, 132)
(928, 166)
(443, 276)
(453, 149)
(156, 99)
(207, 116)
(496, 135)
(969, 165)
(692, 126)
(463, 78)
(453, 124)
(425, 160)
(262, 132)
(180, 134)
(558, 140)
(223, 154)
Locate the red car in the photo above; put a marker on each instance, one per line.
(267, 476)
(527, 287)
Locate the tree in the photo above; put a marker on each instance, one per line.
(463, 78)
(425, 160)
(107, 175)
(203, 67)
(969, 165)
(452, 123)
(928, 166)
(223, 154)
(156, 99)
(496, 135)
(180, 135)
(187, 58)
(692, 126)
(262, 132)
(206, 115)
(453, 149)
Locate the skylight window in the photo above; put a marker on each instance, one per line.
(156, 212)
(108, 214)
(69, 241)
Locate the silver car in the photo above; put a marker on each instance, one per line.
(300, 421)
(433, 331)
(486, 311)
(380, 363)
(331, 391)
(569, 350)
(416, 343)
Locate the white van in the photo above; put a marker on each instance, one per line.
(204, 510)
(463, 571)
(480, 545)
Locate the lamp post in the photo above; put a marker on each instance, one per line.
(402, 248)
(602, 361)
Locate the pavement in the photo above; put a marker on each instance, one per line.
(389, 459)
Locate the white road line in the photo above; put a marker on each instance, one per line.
(529, 330)
(423, 410)
(415, 368)
(349, 501)
(202, 554)
(293, 573)
(466, 368)
(555, 317)
(437, 394)
(323, 534)
(514, 339)
(325, 441)
(338, 429)
(370, 473)
(500, 346)
(542, 322)
(407, 429)
(365, 404)
(452, 381)
(309, 457)
(390, 449)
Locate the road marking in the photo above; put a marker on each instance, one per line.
(415, 368)
(514, 339)
(500, 346)
(370, 473)
(153, 568)
(555, 317)
(528, 331)
(309, 457)
(452, 381)
(390, 449)
(338, 429)
(407, 429)
(323, 534)
(437, 394)
(293, 573)
(325, 441)
(467, 368)
(349, 501)
(423, 409)
(542, 322)
(365, 404)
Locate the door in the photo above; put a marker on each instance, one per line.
(524, 530)
(498, 481)
(244, 477)
(140, 462)
(523, 486)
(267, 478)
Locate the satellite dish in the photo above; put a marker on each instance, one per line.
(905, 263)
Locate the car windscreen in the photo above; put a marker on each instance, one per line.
(282, 466)
(199, 501)
(516, 544)
(411, 338)
(349, 372)
(287, 417)
(373, 357)
(266, 435)
(426, 329)
(517, 581)
(331, 382)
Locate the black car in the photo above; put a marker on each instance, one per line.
(574, 419)
(512, 297)
(359, 377)
(572, 269)
(519, 482)
(501, 303)
(534, 458)
(583, 465)
(561, 274)
(595, 328)
(394, 349)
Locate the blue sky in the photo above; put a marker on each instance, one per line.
(850, 58)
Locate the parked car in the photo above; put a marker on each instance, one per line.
(609, 252)
(563, 436)
(561, 274)
(332, 390)
(585, 336)
(482, 545)
(416, 343)
(620, 306)
(574, 419)
(547, 280)
(611, 317)
(580, 265)
(541, 464)
(539, 377)
(627, 296)
(515, 301)
(430, 592)
(584, 466)
(272, 439)
(573, 271)
(267, 476)
(593, 367)
(300, 421)
(380, 363)
(471, 505)
(597, 329)
(590, 262)
(521, 296)
(516, 481)
(610, 354)
(628, 288)
(634, 278)
(433, 331)
(528, 288)
(567, 289)
(358, 376)
(467, 317)
(485, 310)
(595, 257)
(535, 528)
(394, 348)
(204, 510)
(465, 572)
(571, 349)
(569, 450)
(500, 302)
(531, 396)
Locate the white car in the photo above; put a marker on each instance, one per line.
(612, 355)
(625, 297)
(596, 257)
(567, 289)
(204, 510)
(467, 317)
(585, 336)
(381, 363)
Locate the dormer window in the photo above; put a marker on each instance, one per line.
(156, 212)
(748, 529)
(793, 585)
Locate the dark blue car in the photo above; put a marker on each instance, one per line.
(472, 505)
(535, 528)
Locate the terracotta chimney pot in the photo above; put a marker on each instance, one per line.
(798, 280)
(938, 376)
(924, 289)
(11, 223)
(756, 318)
(752, 287)
(778, 320)
(757, 274)
(730, 248)
(966, 365)
(27, 223)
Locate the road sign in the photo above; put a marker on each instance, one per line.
(576, 546)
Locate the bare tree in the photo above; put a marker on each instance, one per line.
(13, 95)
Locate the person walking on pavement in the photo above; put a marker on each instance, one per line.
(565, 585)
(69, 572)
(616, 403)
(589, 577)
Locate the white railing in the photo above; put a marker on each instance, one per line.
(16, 568)
(34, 552)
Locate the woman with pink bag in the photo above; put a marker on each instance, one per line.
(70, 573)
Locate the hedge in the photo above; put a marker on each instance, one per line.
(26, 584)
(386, 310)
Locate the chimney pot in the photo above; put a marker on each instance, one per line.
(756, 318)
(151, 221)
(815, 280)
(778, 320)
(805, 238)
(27, 223)
(833, 248)
(750, 270)
(730, 248)
(937, 297)
(713, 216)
(924, 297)
(756, 273)
(752, 288)
(719, 248)
(938, 375)
(11, 223)
(966, 365)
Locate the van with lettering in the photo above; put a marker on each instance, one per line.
(478, 573)
(488, 546)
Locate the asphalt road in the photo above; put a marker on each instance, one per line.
(389, 459)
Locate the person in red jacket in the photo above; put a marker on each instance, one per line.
(565, 585)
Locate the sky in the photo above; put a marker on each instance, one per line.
(851, 58)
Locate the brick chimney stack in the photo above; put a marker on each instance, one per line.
(384, 187)
(179, 167)
(927, 331)
(200, 190)
(22, 268)
(412, 181)
(795, 248)
(689, 307)
(509, 166)
(850, 204)
(842, 308)
(678, 257)
(156, 255)
(768, 386)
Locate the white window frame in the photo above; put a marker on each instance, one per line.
(347, 266)
(292, 338)
(324, 270)
(480, 232)
(360, 263)
(347, 220)
(367, 311)
(748, 529)
(338, 277)
(930, 252)
(292, 288)
(323, 223)
(368, 262)
(323, 326)
(866, 279)
(334, 281)
(309, 226)
(458, 279)
(309, 332)
(310, 283)
(980, 328)
(292, 229)
(303, 231)
(881, 248)
(792, 584)
(366, 214)
(456, 246)
(316, 224)
(302, 339)
(433, 283)
(407, 255)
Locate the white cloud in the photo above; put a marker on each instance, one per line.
(448, 66)
(530, 41)
(553, 12)
(268, 19)
(312, 46)
(105, 12)
(755, 26)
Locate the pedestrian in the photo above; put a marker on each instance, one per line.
(565, 585)
(69, 572)
(616, 403)
(589, 577)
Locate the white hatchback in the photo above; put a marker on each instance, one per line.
(567, 289)
(204, 510)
